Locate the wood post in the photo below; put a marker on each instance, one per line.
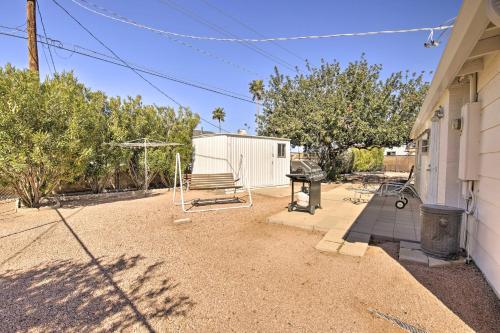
(32, 38)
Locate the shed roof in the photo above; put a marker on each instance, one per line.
(241, 136)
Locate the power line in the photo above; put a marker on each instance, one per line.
(116, 55)
(212, 55)
(122, 65)
(240, 22)
(184, 43)
(450, 21)
(125, 63)
(45, 34)
(194, 84)
(257, 40)
(225, 32)
(46, 59)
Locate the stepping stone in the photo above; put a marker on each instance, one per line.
(413, 255)
(327, 246)
(335, 235)
(356, 249)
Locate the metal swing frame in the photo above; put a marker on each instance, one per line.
(197, 202)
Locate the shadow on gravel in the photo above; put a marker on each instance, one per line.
(67, 295)
(64, 295)
(98, 199)
(461, 288)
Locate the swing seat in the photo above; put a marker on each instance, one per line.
(214, 181)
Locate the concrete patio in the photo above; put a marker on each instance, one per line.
(349, 223)
(381, 219)
(336, 212)
(335, 219)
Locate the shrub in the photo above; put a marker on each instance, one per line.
(371, 159)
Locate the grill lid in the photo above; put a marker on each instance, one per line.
(306, 170)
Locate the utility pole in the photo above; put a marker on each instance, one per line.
(31, 26)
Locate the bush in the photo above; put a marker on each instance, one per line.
(371, 159)
(56, 131)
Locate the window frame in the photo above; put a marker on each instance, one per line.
(282, 151)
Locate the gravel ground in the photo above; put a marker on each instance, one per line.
(124, 266)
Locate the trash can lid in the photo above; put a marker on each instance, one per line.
(440, 209)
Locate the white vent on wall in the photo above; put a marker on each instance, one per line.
(493, 11)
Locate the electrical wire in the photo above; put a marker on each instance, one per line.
(191, 46)
(212, 55)
(30, 55)
(443, 32)
(254, 40)
(45, 34)
(243, 24)
(225, 32)
(46, 59)
(116, 55)
(204, 52)
(126, 64)
(109, 59)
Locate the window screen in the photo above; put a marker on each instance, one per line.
(281, 150)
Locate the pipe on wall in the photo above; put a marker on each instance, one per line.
(473, 88)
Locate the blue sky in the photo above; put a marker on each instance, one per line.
(270, 18)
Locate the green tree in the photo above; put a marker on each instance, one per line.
(371, 159)
(219, 115)
(329, 109)
(43, 131)
(130, 119)
(178, 127)
(101, 162)
(256, 88)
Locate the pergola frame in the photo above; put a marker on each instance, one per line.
(143, 143)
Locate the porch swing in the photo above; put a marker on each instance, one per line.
(211, 181)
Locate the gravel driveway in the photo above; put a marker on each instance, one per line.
(124, 266)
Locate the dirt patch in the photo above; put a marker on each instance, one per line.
(125, 266)
(462, 288)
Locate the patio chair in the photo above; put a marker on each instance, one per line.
(399, 189)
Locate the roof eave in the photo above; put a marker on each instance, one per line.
(468, 28)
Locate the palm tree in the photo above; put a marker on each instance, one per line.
(219, 115)
(256, 88)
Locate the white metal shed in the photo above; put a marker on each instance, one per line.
(263, 161)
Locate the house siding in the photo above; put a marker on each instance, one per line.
(484, 226)
(486, 221)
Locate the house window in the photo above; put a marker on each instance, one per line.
(424, 148)
(391, 153)
(281, 150)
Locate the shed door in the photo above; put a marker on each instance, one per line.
(267, 163)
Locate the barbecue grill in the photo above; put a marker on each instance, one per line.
(310, 175)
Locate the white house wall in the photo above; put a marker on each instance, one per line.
(486, 247)
(484, 227)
